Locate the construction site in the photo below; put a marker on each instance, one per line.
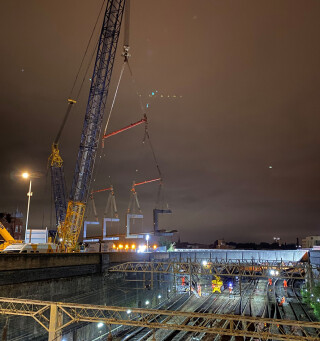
(98, 274)
(181, 295)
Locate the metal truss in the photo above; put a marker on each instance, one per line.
(289, 270)
(59, 193)
(97, 99)
(54, 316)
(106, 51)
(58, 184)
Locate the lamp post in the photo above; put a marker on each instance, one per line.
(26, 175)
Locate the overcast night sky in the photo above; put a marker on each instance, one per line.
(240, 82)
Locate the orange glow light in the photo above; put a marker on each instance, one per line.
(155, 246)
(120, 246)
(25, 175)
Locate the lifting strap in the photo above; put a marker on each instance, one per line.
(113, 101)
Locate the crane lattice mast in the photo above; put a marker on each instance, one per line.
(57, 173)
(69, 230)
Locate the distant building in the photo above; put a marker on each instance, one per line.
(310, 242)
(221, 244)
(193, 246)
(13, 223)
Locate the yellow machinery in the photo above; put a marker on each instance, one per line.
(217, 284)
(8, 239)
(70, 215)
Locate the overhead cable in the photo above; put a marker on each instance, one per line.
(85, 53)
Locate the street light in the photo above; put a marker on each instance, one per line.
(26, 175)
(277, 240)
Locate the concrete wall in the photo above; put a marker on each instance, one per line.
(54, 260)
(20, 268)
(36, 261)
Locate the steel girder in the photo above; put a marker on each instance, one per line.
(289, 270)
(45, 313)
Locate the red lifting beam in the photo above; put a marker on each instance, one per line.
(146, 182)
(125, 128)
(102, 190)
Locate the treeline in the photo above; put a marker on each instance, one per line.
(262, 246)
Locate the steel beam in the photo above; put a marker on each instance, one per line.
(47, 314)
(289, 270)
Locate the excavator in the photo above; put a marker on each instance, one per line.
(8, 239)
(70, 214)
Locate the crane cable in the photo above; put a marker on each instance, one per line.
(142, 106)
(87, 48)
(114, 98)
(146, 134)
(126, 56)
(97, 169)
(70, 100)
(156, 164)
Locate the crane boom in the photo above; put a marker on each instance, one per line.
(57, 172)
(8, 239)
(70, 229)
(5, 234)
(58, 189)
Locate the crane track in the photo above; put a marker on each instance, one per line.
(204, 307)
(228, 307)
(290, 310)
(301, 314)
(141, 332)
(243, 309)
(219, 304)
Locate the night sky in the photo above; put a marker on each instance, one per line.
(246, 80)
